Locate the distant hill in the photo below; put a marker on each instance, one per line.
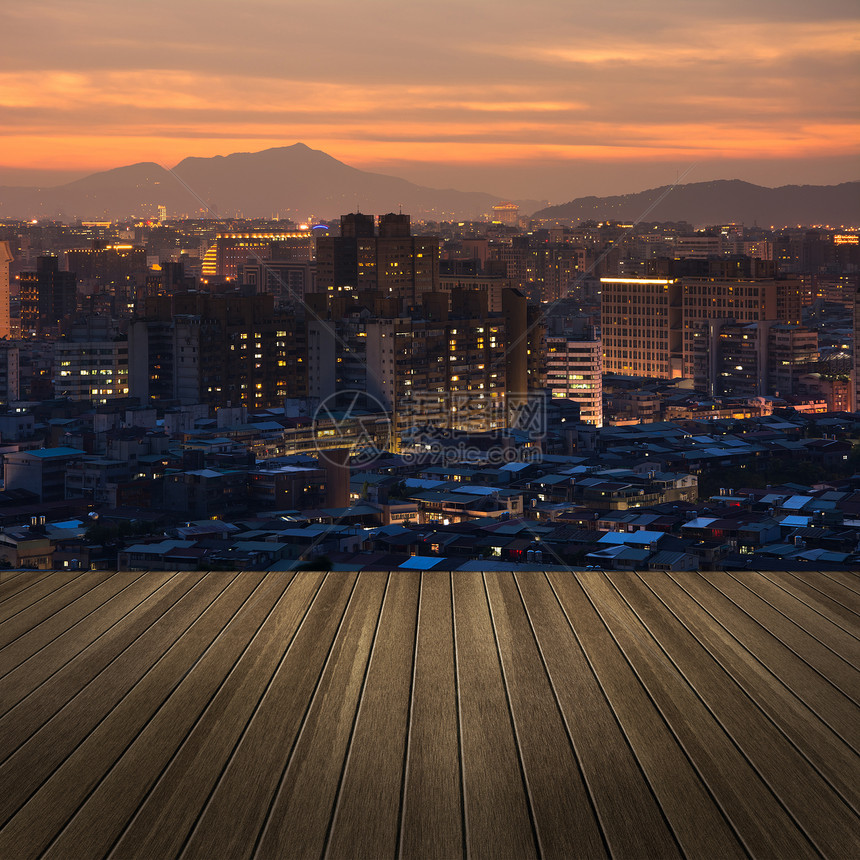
(297, 181)
(294, 181)
(721, 201)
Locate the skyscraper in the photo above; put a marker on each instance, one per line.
(393, 261)
(47, 296)
(6, 258)
(654, 326)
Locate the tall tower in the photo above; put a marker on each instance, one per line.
(6, 258)
(855, 370)
(395, 262)
(47, 296)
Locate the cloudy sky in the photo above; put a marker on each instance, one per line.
(548, 99)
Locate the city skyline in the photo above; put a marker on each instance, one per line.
(552, 104)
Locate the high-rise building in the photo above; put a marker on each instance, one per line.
(9, 374)
(225, 350)
(48, 296)
(574, 370)
(230, 250)
(434, 367)
(6, 258)
(654, 326)
(507, 214)
(542, 270)
(641, 322)
(95, 370)
(289, 281)
(751, 359)
(855, 370)
(393, 261)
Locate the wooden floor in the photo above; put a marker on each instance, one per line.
(232, 715)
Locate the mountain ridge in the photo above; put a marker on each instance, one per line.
(720, 201)
(298, 181)
(294, 180)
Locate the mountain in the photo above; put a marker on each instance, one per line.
(294, 181)
(721, 202)
(297, 182)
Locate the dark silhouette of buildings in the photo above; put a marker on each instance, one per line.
(48, 296)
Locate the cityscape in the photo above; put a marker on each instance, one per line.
(369, 392)
(429, 432)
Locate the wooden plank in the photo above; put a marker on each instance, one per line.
(696, 819)
(18, 681)
(824, 588)
(30, 597)
(156, 789)
(804, 589)
(44, 815)
(815, 674)
(821, 697)
(47, 608)
(243, 732)
(562, 806)
(810, 800)
(498, 814)
(822, 747)
(758, 818)
(13, 582)
(302, 808)
(632, 819)
(816, 624)
(231, 829)
(431, 823)
(41, 748)
(31, 642)
(845, 584)
(45, 701)
(365, 822)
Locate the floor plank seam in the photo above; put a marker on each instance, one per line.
(200, 716)
(696, 769)
(744, 692)
(732, 740)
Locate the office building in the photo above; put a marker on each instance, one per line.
(95, 370)
(289, 281)
(230, 250)
(507, 214)
(391, 260)
(48, 297)
(574, 369)
(6, 258)
(653, 326)
(225, 350)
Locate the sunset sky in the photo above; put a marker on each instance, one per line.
(546, 99)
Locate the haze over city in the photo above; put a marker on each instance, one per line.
(548, 101)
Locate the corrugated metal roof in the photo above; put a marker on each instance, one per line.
(421, 714)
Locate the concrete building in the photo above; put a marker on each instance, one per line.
(48, 297)
(392, 261)
(575, 371)
(641, 322)
(289, 281)
(507, 214)
(9, 373)
(659, 326)
(6, 258)
(231, 250)
(42, 471)
(95, 370)
(227, 350)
